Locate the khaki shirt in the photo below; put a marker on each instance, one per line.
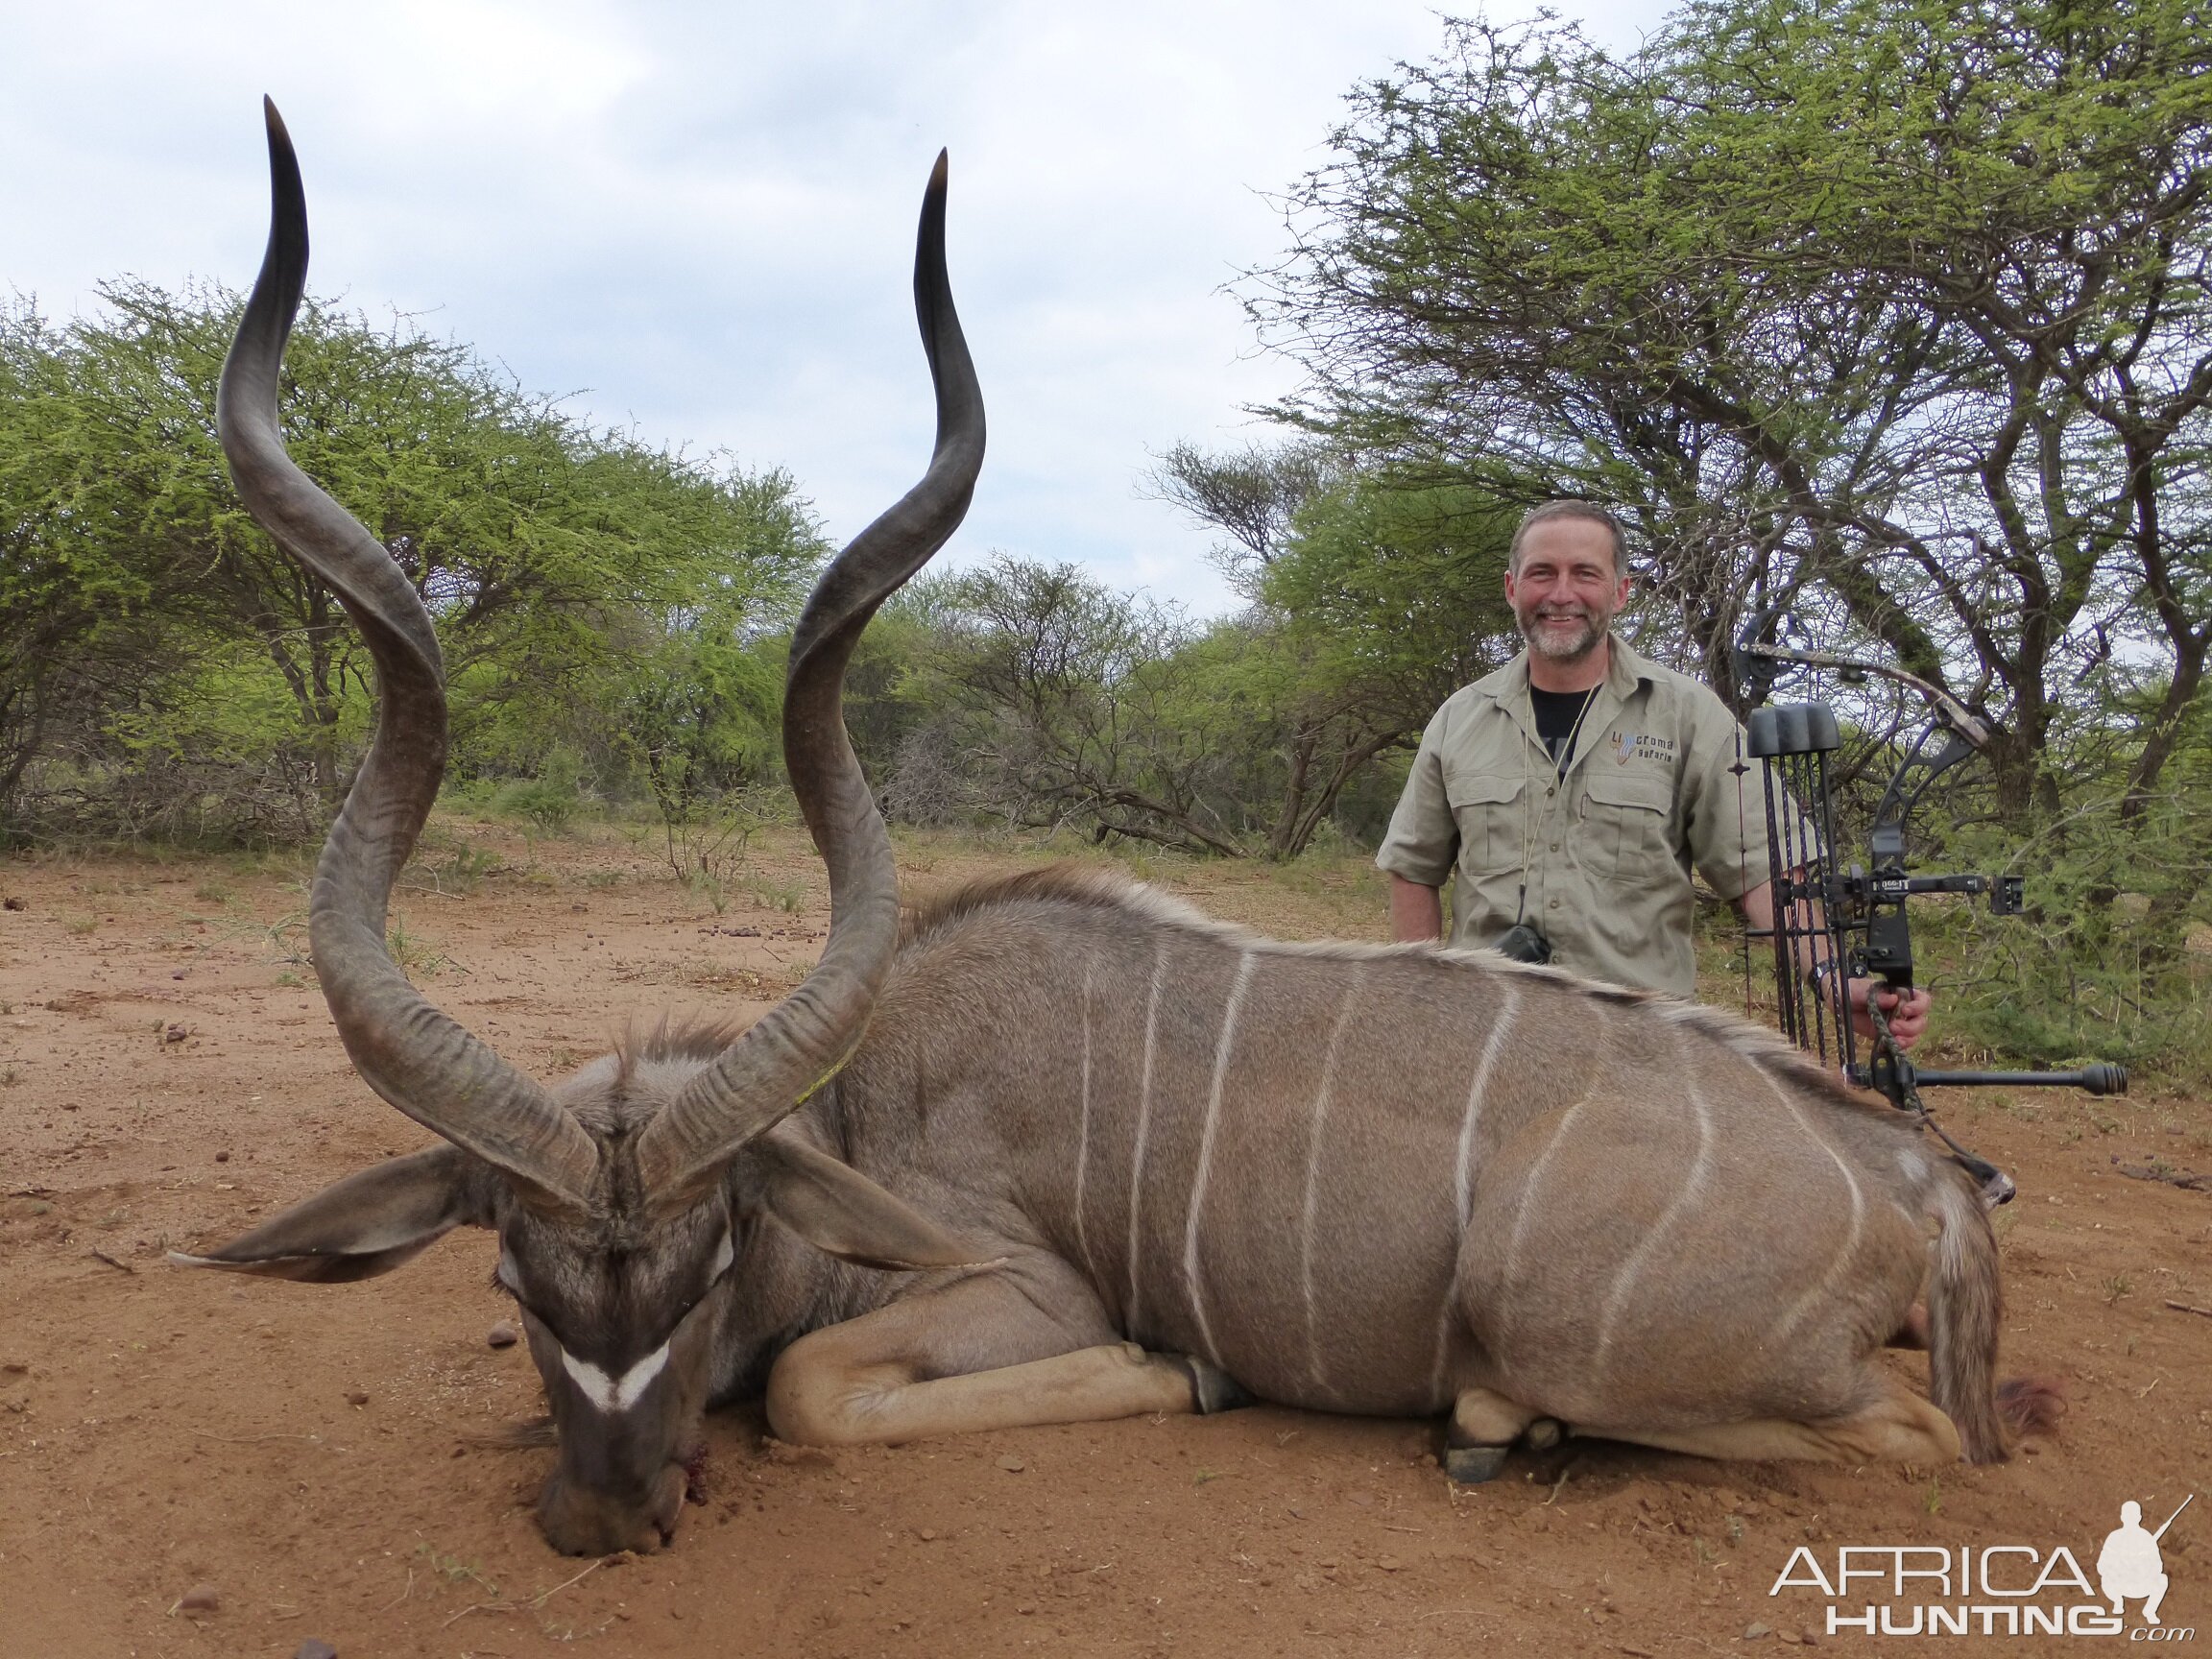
(1651, 788)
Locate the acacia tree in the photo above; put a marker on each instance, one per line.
(1894, 310)
(1250, 494)
(1373, 599)
(545, 550)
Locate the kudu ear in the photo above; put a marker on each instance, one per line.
(840, 1212)
(367, 1224)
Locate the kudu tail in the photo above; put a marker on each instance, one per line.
(1963, 1303)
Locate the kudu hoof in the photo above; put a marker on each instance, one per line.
(1212, 1389)
(1472, 1465)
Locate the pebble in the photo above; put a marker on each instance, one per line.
(928, 1534)
(356, 1396)
(200, 1598)
(222, 1157)
(1012, 1464)
(1388, 1563)
(1752, 1632)
(314, 1647)
(502, 1336)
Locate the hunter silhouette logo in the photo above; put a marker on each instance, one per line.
(2129, 1563)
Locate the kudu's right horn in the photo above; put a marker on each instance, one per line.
(800, 1044)
(407, 1050)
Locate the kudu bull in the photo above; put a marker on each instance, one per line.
(1061, 1149)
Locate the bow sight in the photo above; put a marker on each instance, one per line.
(1827, 912)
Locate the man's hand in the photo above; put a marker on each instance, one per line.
(1907, 1015)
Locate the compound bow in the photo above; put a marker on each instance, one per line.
(1826, 912)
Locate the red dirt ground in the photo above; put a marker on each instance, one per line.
(315, 1455)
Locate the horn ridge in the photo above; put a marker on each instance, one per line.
(801, 1042)
(411, 1054)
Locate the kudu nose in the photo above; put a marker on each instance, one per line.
(577, 1520)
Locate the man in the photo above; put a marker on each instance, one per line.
(1570, 791)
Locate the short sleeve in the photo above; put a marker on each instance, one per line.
(1727, 803)
(1423, 838)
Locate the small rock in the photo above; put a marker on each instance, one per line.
(222, 1157)
(178, 973)
(314, 1647)
(1388, 1563)
(11, 902)
(1752, 1632)
(175, 1033)
(928, 1534)
(200, 1598)
(1025, 1608)
(502, 1336)
(356, 1396)
(1012, 1464)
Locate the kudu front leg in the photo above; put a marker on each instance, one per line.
(976, 1355)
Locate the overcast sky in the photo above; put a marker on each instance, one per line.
(698, 218)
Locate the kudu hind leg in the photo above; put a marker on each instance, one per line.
(1899, 1427)
(975, 1355)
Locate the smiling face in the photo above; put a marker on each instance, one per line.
(1565, 587)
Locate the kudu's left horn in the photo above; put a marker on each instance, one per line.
(407, 1050)
(796, 1045)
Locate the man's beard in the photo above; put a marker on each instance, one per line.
(1559, 648)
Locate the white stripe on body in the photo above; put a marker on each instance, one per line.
(1527, 1194)
(1083, 1133)
(1842, 1263)
(1143, 1129)
(1221, 1050)
(1313, 1171)
(1463, 1180)
(1685, 1196)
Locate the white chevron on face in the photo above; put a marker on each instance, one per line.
(613, 1394)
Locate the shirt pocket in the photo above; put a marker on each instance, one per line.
(1490, 811)
(1624, 821)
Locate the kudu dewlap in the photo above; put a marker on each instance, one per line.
(1064, 1150)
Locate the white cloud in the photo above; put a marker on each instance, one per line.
(700, 214)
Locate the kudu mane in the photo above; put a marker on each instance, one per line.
(1088, 889)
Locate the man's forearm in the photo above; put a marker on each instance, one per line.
(1416, 912)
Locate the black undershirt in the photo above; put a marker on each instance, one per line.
(1557, 712)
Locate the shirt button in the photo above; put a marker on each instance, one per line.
(1549, 793)
(1554, 846)
(1554, 904)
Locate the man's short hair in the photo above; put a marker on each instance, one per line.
(1570, 508)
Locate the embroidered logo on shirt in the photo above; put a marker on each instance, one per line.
(1630, 746)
